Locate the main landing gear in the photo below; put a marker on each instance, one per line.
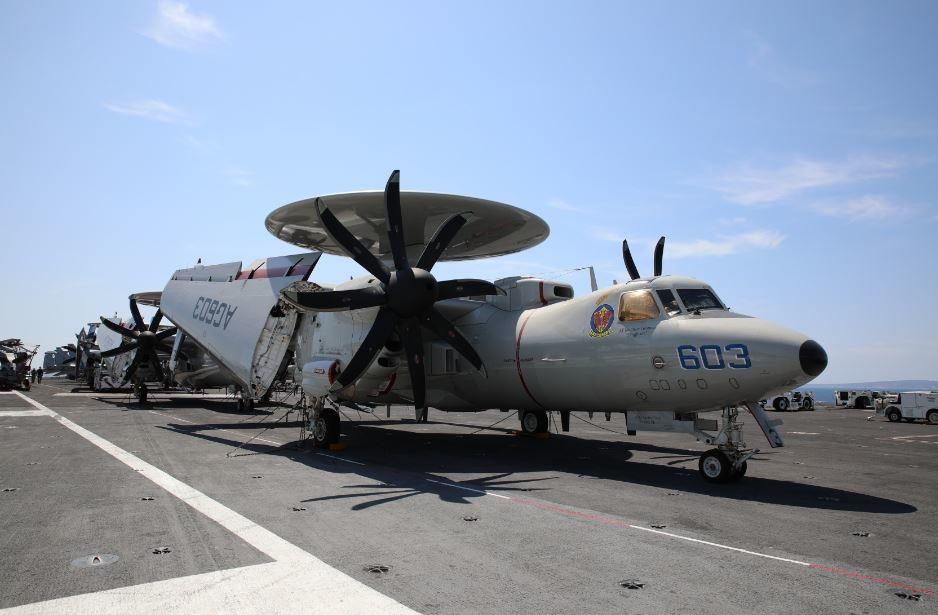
(533, 421)
(140, 391)
(322, 422)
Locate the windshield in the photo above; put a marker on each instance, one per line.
(669, 301)
(699, 299)
(637, 305)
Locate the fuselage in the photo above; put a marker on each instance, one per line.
(660, 344)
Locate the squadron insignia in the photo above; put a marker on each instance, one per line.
(601, 321)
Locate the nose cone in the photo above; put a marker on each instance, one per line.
(813, 358)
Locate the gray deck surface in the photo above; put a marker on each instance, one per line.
(560, 539)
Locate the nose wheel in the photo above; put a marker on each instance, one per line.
(716, 466)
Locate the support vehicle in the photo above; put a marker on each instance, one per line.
(911, 406)
(790, 400)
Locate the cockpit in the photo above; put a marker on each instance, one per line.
(666, 301)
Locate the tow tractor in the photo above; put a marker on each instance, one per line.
(791, 400)
(15, 364)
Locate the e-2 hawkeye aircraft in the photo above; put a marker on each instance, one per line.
(661, 350)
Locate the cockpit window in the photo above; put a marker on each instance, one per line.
(669, 301)
(699, 299)
(638, 305)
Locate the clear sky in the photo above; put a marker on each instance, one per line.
(787, 150)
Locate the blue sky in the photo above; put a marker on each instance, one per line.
(788, 151)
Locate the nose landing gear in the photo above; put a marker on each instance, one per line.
(728, 460)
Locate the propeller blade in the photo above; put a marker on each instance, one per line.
(113, 326)
(138, 319)
(119, 350)
(337, 300)
(450, 289)
(380, 331)
(162, 335)
(392, 213)
(354, 247)
(156, 366)
(659, 256)
(132, 368)
(440, 325)
(155, 323)
(440, 241)
(629, 263)
(413, 345)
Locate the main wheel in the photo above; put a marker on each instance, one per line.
(893, 415)
(326, 428)
(932, 416)
(715, 467)
(142, 395)
(26, 385)
(534, 421)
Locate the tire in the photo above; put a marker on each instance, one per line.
(807, 404)
(781, 404)
(534, 421)
(715, 467)
(26, 385)
(326, 428)
(893, 414)
(142, 395)
(862, 402)
(932, 416)
(741, 471)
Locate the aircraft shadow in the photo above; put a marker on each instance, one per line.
(219, 406)
(402, 459)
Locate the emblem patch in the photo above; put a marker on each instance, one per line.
(601, 321)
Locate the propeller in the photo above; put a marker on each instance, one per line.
(146, 340)
(630, 262)
(405, 295)
(85, 345)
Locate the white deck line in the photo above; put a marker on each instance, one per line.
(295, 580)
(448, 484)
(150, 394)
(4, 413)
(719, 546)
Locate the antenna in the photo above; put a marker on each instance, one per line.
(593, 284)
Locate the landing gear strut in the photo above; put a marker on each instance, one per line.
(140, 390)
(728, 460)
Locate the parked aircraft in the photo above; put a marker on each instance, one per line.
(663, 350)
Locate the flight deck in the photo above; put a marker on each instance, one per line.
(109, 505)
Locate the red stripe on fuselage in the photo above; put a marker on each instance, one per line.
(518, 361)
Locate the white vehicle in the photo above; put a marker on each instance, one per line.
(913, 405)
(861, 400)
(791, 400)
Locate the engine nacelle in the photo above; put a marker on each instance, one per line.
(318, 376)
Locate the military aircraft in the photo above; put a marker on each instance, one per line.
(662, 350)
